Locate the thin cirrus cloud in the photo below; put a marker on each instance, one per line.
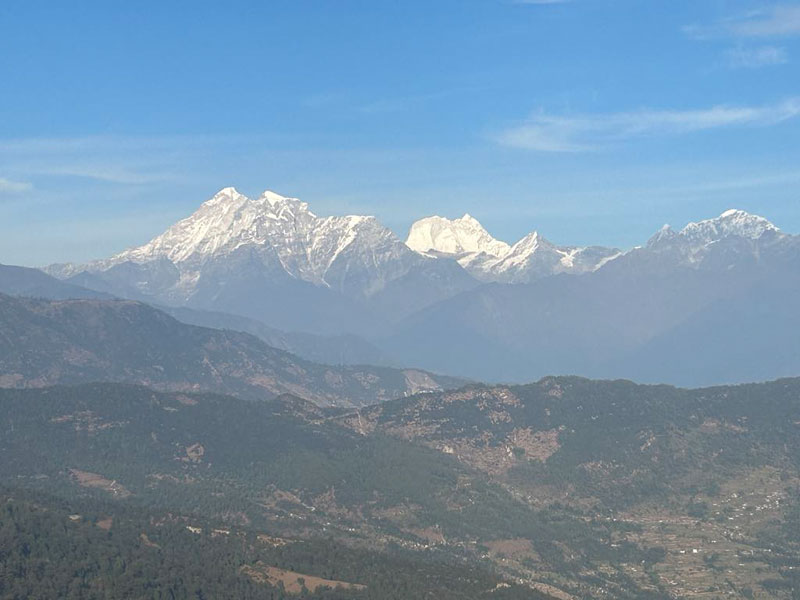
(755, 58)
(781, 20)
(543, 132)
(111, 159)
(8, 186)
(774, 22)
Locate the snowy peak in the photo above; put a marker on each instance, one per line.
(282, 206)
(204, 232)
(534, 257)
(731, 223)
(273, 198)
(522, 250)
(225, 222)
(279, 238)
(664, 234)
(224, 196)
(489, 259)
(453, 237)
(530, 243)
(284, 237)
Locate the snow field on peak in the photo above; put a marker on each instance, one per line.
(453, 237)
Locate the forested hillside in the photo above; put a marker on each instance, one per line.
(565, 486)
(286, 469)
(89, 548)
(707, 479)
(71, 341)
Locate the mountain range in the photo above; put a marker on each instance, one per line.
(714, 302)
(272, 259)
(487, 259)
(165, 399)
(454, 299)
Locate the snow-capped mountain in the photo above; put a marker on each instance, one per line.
(453, 237)
(610, 313)
(734, 237)
(253, 252)
(731, 223)
(463, 239)
(287, 234)
(489, 259)
(730, 283)
(534, 257)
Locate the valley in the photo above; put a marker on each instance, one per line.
(566, 487)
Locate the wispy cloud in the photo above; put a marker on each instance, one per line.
(125, 160)
(102, 144)
(107, 173)
(781, 20)
(755, 58)
(7, 186)
(581, 133)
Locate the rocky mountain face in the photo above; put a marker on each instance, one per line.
(71, 341)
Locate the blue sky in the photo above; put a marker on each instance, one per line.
(592, 121)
